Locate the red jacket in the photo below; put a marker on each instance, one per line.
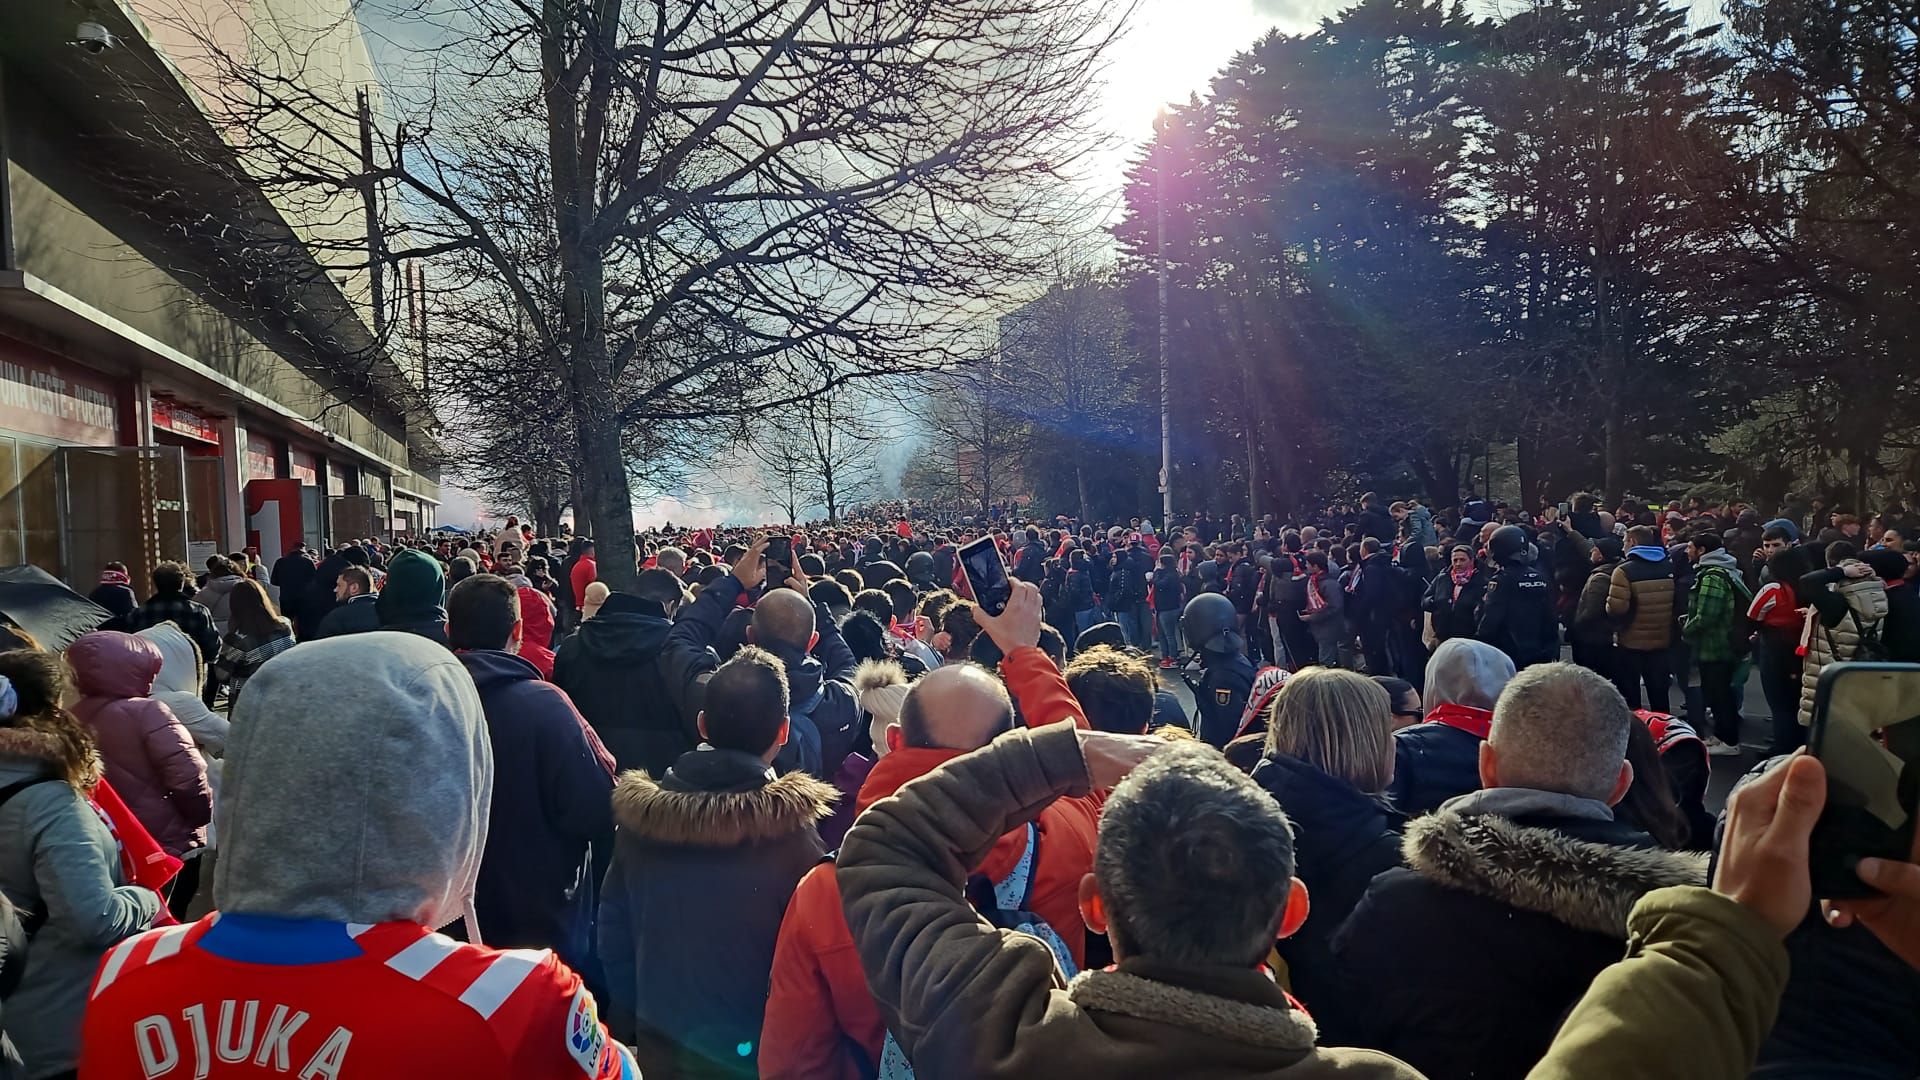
(536, 630)
(585, 573)
(818, 1006)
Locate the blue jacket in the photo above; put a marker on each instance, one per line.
(551, 802)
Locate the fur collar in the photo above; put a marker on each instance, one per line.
(720, 818)
(1243, 1022)
(1586, 885)
(25, 744)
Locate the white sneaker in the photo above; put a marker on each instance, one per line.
(1716, 748)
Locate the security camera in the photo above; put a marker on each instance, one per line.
(93, 37)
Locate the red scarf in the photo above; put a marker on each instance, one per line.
(1315, 601)
(1460, 579)
(1475, 722)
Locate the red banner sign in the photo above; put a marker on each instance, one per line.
(170, 415)
(40, 395)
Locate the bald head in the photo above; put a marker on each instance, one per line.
(783, 617)
(955, 707)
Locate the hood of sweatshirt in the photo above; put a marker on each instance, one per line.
(495, 668)
(180, 659)
(108, 663)
(357, 784)
(1721, 558)
(536, 616)
(415, 590)
(623, 636)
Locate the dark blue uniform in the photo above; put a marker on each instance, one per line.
(1225, 684)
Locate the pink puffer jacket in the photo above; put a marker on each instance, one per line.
(150, 758)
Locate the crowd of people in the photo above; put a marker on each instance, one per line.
(788, 802)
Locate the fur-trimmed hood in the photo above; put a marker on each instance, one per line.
(642, 806)
(1229, 1020)
(1584, 884)
(30, 746)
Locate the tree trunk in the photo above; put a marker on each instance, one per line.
(1080, 482)
(1614, 432)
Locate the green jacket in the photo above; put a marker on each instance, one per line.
(967, 1000)
(1718, 601)
(1695, 996)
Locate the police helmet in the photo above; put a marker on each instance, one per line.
(1509, 542)
(1208, 620)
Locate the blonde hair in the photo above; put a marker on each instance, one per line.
(1337, 721)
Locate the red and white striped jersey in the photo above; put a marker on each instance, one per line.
(252, 996)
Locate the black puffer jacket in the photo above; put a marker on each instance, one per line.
(706, 858)
(1472, 954)
(611, 669)
(1342, 837)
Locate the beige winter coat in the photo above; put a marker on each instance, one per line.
(1867, 604)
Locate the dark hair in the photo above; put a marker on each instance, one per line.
(1777, 532)
(875, 603)
(813, 565)
(746, 702)
(864, 636)
(1397, 689)
(358, 575)
(39, 681)
(1840, 551)
(116, 565)
(1706, 541)
(1115, 688)
(957, 622)
(851, 581)
(829, 592)
(903, 598)
(251, 612)
(710, 574)
(1187, 832)
(1643, 536)
(460, 569)
(1650, 802)
(169, 577)
(663, 587)
(481, 612)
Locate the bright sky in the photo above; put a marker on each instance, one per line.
(1171, 50)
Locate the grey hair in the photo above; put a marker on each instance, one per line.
(1467, 672)
(1561, 727)
(1194, 861)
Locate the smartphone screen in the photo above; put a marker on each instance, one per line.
(986, 575)
(779, 559)
(1866, 732)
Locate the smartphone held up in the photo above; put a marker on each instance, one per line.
(1866, 732)
(986, 575)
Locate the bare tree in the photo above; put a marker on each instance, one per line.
(742, 203)
(1067, 351)
(972, 438)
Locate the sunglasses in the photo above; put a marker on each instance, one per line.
(1417, 714)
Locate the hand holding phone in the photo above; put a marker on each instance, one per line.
(779, 558)
(986, 575)
(1866, 732)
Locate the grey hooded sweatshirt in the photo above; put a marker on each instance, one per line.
(357, 799)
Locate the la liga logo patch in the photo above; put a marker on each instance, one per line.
(586, 1039)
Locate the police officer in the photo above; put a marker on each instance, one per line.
(1226, 676)
(1516, 616)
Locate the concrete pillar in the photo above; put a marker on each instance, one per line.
(233, 479)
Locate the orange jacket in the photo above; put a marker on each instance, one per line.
(821, 1021)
